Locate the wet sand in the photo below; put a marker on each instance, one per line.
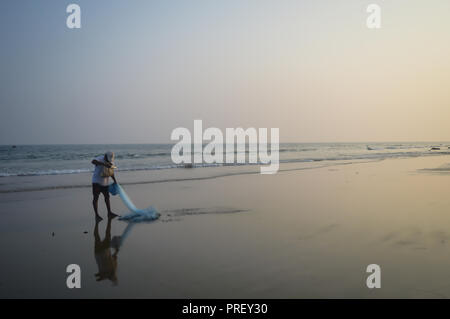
(302, 233)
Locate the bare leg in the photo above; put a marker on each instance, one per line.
(108, 206)
(95, 204)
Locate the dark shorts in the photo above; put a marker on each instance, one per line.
(97, 189)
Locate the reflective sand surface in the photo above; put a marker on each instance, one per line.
(297, 234)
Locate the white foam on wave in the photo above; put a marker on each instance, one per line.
(325, 153)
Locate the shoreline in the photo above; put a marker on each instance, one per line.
(162, 175)
(143, 177)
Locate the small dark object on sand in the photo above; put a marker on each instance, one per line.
(435, 149)
(85, 232)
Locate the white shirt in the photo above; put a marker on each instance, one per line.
(97, 177)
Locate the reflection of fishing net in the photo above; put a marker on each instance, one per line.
(117, 241)
(136, 215)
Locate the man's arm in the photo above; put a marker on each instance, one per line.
(114, 179)
(95, 162)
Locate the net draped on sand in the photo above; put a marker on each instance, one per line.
(136, 215)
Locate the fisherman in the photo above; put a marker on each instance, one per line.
(100, 182)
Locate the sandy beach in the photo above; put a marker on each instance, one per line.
(229, 232)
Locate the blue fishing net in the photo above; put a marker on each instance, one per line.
(136, 215)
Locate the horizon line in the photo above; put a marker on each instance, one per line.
(169, 143)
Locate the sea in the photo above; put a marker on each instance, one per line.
(31, 160)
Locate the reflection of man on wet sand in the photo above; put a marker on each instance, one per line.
(106, 262)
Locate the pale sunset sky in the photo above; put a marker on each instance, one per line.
(138, 69)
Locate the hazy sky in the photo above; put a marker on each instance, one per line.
(138, 69)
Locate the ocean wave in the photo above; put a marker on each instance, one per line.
(337, 157)
(47, 172)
